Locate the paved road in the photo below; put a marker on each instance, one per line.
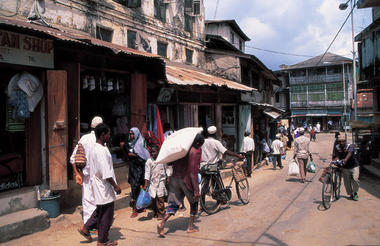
(282, 212)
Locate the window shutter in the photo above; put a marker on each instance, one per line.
(134, 4)
(188, 6)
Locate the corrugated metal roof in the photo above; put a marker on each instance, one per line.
(328, 60)
(272, 114)
(71, 37)
(186, 76)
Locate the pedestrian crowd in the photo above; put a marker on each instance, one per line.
(170, 183)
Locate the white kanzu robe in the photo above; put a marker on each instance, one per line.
(156, 174)
(88, 202)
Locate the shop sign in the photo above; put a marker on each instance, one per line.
(16, 48)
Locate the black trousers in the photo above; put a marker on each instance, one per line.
(248, 156)
(103, 215)
(276, 159)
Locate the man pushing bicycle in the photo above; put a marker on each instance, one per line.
(345, 152)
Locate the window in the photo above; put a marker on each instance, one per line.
(277, 97)
(240, 45)
(317, 97)
(134, 3)
(160, 10)
(188, 23)
(162, 49)
(335, 96)
(189, 56)
(104, 34)
(232, 37)
(334, 70)
(197, 7)
(131, 39)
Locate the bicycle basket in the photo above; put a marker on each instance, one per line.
(238, 173)
(210, 167)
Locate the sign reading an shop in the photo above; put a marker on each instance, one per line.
(16, 48)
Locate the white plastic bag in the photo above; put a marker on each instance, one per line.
(177, 145)
(294, 169)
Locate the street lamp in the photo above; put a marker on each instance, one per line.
(344, 6)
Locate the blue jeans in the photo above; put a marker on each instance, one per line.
(276, 159)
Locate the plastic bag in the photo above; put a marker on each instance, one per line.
(294, 169)
(310, 167)
(283, 157)
(144, 199)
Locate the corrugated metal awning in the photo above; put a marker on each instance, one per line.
(272, 114)
(186, 76)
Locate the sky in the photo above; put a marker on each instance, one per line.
(301, 27)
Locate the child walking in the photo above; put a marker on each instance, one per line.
(156, 177)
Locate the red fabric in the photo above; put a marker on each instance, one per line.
(160, 132)
(10, 163)
(150, 140)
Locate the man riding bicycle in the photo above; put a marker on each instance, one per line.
(345, 152)
(213, 150)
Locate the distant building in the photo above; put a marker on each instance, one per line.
(317, 90)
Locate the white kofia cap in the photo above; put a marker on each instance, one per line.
(211, 130)
(96, 121)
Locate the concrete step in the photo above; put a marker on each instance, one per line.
(23, 222)
(372, 170)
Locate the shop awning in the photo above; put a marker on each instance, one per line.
(177, 75)
(272, 114)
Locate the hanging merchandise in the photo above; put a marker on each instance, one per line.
(20, 105)
(100, 84)
(117, 85)
(85, 82)
(33, 89)
(92, 83)
(109, 85)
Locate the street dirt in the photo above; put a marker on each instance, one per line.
(282, 211)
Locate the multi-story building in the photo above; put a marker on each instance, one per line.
(225, 57)
(321, 91)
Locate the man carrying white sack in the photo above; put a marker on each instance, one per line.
(213, 150)
(83, 178)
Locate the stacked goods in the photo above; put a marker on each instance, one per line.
(80, 158)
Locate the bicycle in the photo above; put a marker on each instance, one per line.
(331, 183)
(213, 191)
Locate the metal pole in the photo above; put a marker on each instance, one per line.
(344, 105)
(354, 70)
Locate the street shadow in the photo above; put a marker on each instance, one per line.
(115, 234)
(276, 241)
(293, 180)
(179, 224)
(122, 202)
(370, 184)
(149, 216)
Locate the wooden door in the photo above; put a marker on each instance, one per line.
(57, 129)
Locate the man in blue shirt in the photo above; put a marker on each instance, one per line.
(350, 171)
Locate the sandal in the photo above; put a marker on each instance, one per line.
(160, 230)
(113, 243)
(192, 230)
(86, 235)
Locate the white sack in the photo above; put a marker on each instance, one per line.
(177, 145)
(294, 169)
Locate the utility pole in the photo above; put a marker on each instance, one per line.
(344, 105)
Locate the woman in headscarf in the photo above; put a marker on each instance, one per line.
(137, 154)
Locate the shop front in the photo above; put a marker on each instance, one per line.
(24, 61)
(192, 98)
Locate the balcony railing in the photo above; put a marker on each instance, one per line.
(305, 104)
(323, 78)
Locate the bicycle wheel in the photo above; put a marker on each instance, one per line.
(210, 192)
(242, 190)
(337, 183)
(327, 191)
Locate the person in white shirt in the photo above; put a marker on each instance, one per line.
(83, 177)
(156, 178)
(278, 150)
(213, 150)
(248, 149)
(318, 127)
(104, 186)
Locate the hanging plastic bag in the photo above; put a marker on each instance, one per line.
(144, 199)
(310, 167)
(293, 170)
(283, 157)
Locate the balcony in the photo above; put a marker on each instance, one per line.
(310, 104)
(315, 79)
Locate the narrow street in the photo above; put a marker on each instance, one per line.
(282, 211)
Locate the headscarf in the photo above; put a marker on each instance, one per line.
(138, 144)
(150, 140)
